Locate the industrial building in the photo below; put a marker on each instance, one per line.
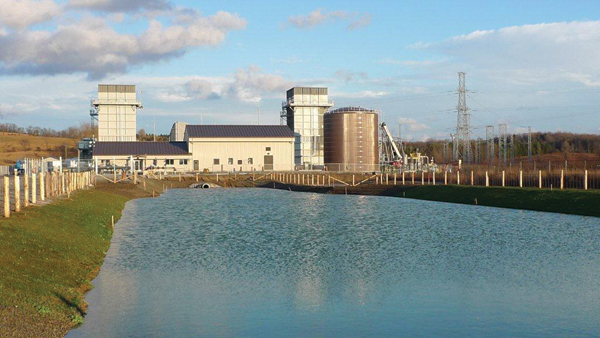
(213, 148)
(116, 113)
(312, 136)
(351, 139)
(241, 147)
(302, 112)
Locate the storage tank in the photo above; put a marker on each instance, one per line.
(350, 139)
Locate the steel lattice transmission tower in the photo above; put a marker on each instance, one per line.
(502, 146)
(489, 140)
(463, 123)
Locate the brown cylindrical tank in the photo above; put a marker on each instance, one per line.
(350, 139)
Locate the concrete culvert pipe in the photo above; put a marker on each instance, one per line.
(205, 186)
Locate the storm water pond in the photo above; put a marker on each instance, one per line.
(270, 263)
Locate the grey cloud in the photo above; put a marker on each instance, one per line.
(120, 5)
(247, 84)
(320, 16)
(350, 76)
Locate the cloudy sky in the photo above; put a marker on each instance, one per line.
(528, 63)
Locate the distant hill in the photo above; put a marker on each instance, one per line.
(15, 146)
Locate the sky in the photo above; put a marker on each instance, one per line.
(528, 63)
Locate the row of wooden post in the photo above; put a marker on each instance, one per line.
(42, 185)
(309, 179)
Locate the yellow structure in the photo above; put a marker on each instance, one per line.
(226, 148)
(216, 148)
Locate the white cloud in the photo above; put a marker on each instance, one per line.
(365, 94)
(19, 14)
(411, 63)
(290, 60)
(529, 54)
(321, 16)
(250, 83)
(91, 46)
(412, 124)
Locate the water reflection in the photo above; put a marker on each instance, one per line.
(273, 263)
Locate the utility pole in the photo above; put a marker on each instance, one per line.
(154, 133)
(529, 153)
(454, 147)
(489, 140)
(258, 108)
(463, 123)
(512, 149)
(502, 151)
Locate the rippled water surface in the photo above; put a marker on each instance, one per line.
(268, 263)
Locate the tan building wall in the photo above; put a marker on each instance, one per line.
(242, 154)
(181, 163)
(117, 111)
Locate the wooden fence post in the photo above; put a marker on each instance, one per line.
(434, 177)
(585, 180)
(26, 190)
(445, 177)
(540, 179)
(422, 178)
(403, 178)
(487, 179)
(458, 177)
(521, 178)
(33, 188)
(6, 197)
(472, 181)
(503, 177)
(413, 178)
(395, 174)
(17, 193)
(562, 179)
(42, 191)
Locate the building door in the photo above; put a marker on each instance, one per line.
(268, 162)
(139, 164)
(196, 165)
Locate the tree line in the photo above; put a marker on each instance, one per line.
(542, 143)
(83, 130)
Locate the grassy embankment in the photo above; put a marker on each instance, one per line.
(577, 202)
(14, 146)
(49, 255)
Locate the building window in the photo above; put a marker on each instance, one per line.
(240, 161)
(169, 162)
(268, 149)
(230, 160)
(250, 160)
(216, 161)
(183, 162)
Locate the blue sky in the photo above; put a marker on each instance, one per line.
(528, 63)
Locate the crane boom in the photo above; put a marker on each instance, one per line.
(397, 154)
